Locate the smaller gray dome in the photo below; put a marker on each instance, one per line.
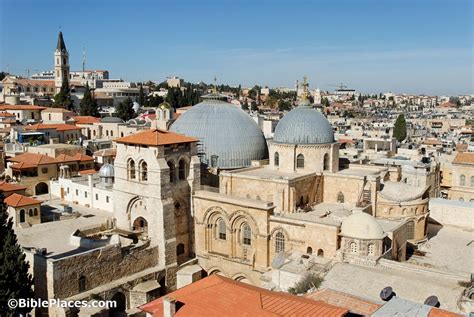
(360, 225)
(107, 171)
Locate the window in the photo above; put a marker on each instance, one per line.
(182, 169)
(371, 249)
(96, 196)
(44, 170)
(172, 171)
(221, 229)
(36, 212)
(462, 180)
(410, 230)
(276, 159)
(180, 249)
(30, 212)
(85, 194)
(321, 252)
(77, 192)
(67, 190)
(300, 161)
(107, 199)
(82, 284)
(353, 247)
(309, 250)
(326, 162)
(131, 169)
(246, 234)
(279, 242)
(22, 215)
(143, 171)
(340, 197)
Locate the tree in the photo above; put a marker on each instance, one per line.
(15, 281)
(88, 105)
(141, 96)
(284, 105)
(253, 106)
(309, 281)
(271, 102)
(400, 128)
(245, 105)
(63, 98)
(124, 110)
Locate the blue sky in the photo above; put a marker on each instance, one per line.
(413, 46)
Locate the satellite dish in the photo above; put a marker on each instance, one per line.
(432, 301)
(387, 293)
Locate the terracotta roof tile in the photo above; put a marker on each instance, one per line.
(353, 303)
(219, 296)
(10, 187)
(155, 137)
(464, 158)
(21, 107)
(82, 157)
(86, 119)
(436, 312)
(17, 200)
(432, 142)
(63, 158)
(33, 159)
(461, 147)
(57, 127)
(6, 114)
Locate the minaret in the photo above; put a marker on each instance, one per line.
(61, 63)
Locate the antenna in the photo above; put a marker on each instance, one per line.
(83, 61)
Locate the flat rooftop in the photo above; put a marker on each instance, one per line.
(449, 249)
(416, 286)
(324, 213)
(359, 171)
(266, 172)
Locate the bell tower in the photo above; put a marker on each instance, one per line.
(61, 63)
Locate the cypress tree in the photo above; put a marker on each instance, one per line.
(63, 98)
(88, 106)
(400, 128)
(141, 96)
(15, 281)
(124, 110)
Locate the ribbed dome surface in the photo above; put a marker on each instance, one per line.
(107, 170)
(223, 130)
(304, 125)
(360, 225)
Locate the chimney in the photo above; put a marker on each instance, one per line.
(169, 306)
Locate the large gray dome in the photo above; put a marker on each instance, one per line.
(107, 170)
(223, 130)
(304, 125)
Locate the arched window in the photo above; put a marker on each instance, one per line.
(276, 159)
(30, 212)
(131, 169)
(410, 230)
(36, 212)
(180, 249)
(82, 284)
(300, 161)
(221, 229)
(309, 250)
(172, 171)
(22, 215)
(246, 234)
(462, 180)
(321, 252)
(143, 171)
(279, 242)
(340, 197)
(326, 162)
(182, 169)
(353, 247)
(472, 181)
(371, 249)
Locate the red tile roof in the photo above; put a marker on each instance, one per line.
(464, 158)
(23, 165)
(11, 187)
(82, 157)
(21, 107)
(33, 82)
(436, 312)
(354, 304)
(63, 158)
(219, 296)
(156, 137)
(33, 159)
(16, 200)
(6, 114)
(432, 142)
(86, 119)
(57, 127)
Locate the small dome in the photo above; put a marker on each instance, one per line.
(304, 125)
(107, 170)
(361, 225)
(223, 130)
(400, 191)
